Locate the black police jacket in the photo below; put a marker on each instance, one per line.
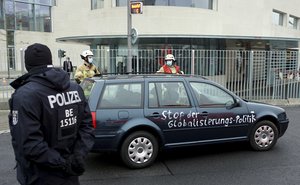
(49, 121)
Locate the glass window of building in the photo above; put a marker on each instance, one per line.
(278, 18)
(121, 2)
(24, 16)
(207, 4)
(97, 4)
(10, 39)
(156, 3)
(26, 1)
(43, 2)
(27, 15)
(293, 22)
(9, 15)
(43, 18)
(1, 14)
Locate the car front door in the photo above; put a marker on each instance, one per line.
(225, 118)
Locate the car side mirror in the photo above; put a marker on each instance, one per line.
(232, 104)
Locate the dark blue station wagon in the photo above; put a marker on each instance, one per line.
(139, 115)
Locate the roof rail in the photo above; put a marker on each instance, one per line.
(143, 75)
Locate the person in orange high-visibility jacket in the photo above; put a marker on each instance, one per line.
(170, 67)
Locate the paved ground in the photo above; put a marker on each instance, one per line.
(4, 121)
(223, 164)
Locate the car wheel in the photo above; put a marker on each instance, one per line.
(139, 150)
(263, 136)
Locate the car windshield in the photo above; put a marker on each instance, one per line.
(87, 86)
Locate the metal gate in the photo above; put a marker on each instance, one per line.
(255, 75)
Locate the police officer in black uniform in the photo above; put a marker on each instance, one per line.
(50, 123)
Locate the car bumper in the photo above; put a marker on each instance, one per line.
(106, 142)
(283, 125)
(103, 145)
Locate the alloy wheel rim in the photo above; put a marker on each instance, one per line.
(264, 136)
(140, 150)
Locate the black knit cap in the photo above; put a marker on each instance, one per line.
(37, 55)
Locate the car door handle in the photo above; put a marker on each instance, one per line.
(155, 115)
(204, 114)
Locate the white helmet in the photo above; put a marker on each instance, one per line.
(170, 57)
(86, 53)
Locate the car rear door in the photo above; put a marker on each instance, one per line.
(168, 105)
(119, 101)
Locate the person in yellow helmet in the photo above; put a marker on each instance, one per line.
(170, 67)
(87, 69)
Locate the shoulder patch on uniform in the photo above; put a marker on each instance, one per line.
(14, 117)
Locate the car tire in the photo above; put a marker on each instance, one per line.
(264, 136)
(139, 150)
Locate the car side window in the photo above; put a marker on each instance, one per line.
(87, 86)
(168, 94)
(210, 95)
(121, 96)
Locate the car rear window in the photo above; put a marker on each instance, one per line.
(87, 86)
(125, 95)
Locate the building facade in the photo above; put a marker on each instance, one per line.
(164, 24)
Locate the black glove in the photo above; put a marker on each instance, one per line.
(74, 166)
(78, 164)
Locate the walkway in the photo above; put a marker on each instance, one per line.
(4, 128)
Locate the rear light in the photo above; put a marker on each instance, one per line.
(94, 119)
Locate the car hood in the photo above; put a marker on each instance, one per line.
(262, 108)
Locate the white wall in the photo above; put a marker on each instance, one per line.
(234, 18)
